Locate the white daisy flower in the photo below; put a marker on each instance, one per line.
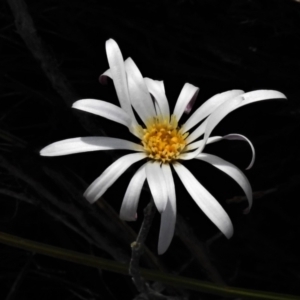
(163, 143)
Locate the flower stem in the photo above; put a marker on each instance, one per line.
(137, 248)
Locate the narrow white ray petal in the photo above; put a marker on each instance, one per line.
(188, 93)
(155, 88)
(260, 95)
(104, 109)
(222, 111)
(197, 132)
(157, 109)
(117, 72)
(132, 195)
(139, 94)
(110, 175)
(168, 216)
(157, 185)
(207, 203)
(232, 171)
(86, 144)
(108, 111)
(103, 77)
(166, 169)
(239, 137)
(162, 86)
(198, 144)
(208, 107)
(210, 123)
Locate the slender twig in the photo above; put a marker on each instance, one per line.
(138, 248)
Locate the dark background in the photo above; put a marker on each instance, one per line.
(215, 45)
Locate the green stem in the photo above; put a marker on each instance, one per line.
(104, 264)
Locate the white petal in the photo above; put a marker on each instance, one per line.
(85, 144)
(197, 132)
(132, 195)
(198, 144)
(155, 88)
(157, 185)
(166, 169)
(207, 203)
(208, 107)
(260, 95)
(104, 109)
(117, 72)
(103, 77)
(139, 94)
(222, 111)
(168, 216)
(188, 93)
(230, 105)
(231, 170)
(162, 86)
(110, 175)
(210, 123)
(239, 137)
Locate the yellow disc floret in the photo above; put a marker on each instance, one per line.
(163, 140)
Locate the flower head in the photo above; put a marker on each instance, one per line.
(163, 143)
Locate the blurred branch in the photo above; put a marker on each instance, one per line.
(28, 32)
(256, 195)
(177, 281)
(49, 64)
(67, 208)
(107, 216)
(54, 212)
(14, 289)
(12, 139)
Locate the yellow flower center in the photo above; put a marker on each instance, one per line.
(163, 140)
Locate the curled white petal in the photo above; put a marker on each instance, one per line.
(118, 75)
(86, 144)
(239, 137)
(168, 216)
(188, 93)
(208, 107)
(139, 94)
(156, 90)
(232, 171)
(132, 195)
(110, 175)
(103, 77)
(157, 185)
(207, 203)
(200, 144)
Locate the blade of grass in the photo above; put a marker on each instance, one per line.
(105, 264)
